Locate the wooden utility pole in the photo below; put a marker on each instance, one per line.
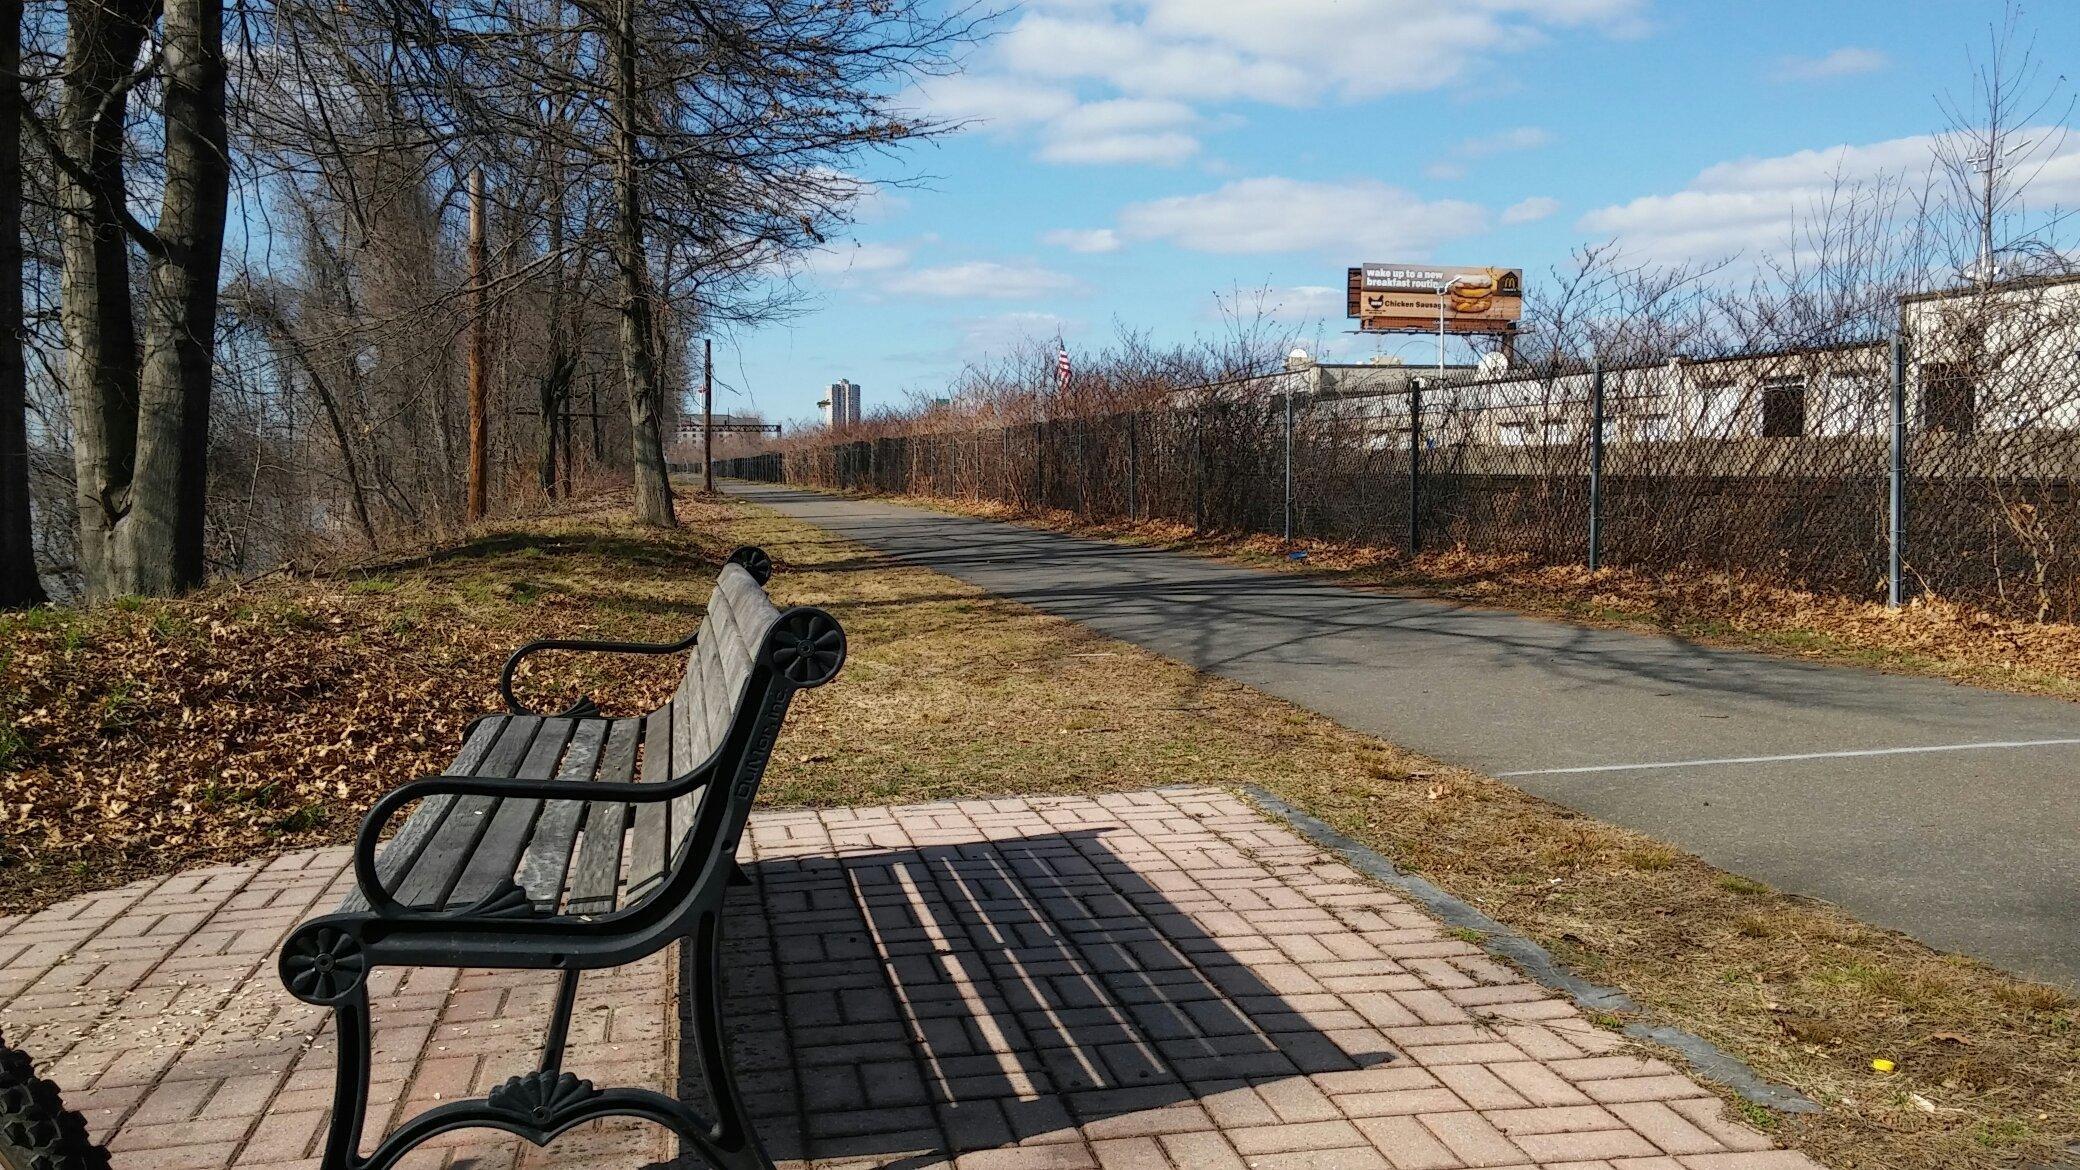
(708, 415)
(479, 353)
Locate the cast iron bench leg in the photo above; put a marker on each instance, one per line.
(351, 1039)
(733, 1133)
(540, 1105)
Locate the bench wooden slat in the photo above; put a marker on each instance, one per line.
(713, 686)
(688, 751)
(497, 852)
(597, 875)
(433, 873)
(404, 846)
(647, 842)
(548, 855)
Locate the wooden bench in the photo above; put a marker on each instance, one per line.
(574, 842)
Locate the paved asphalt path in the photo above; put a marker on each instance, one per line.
(1955, 822)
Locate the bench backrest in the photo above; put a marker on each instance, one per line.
(718, 669)
(740, 678)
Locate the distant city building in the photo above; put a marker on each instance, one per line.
(841, 406)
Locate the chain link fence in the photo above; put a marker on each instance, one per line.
(1775, 465)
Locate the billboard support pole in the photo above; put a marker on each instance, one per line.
(1596, 465)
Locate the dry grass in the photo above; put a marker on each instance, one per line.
(1929, 636)
(154, 736)
(952, 692)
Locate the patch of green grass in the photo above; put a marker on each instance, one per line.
(2000, 1134)
(375, 584)
(1734, 883)
(11, 744)
(1760, 1116)
(289, 614)
(304, 818)
(1800, 640)
(1467, 934)
(117, 705)
(43, 617)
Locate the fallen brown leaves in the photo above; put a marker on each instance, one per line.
(154, 736)
(142, 736)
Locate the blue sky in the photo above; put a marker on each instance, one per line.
(1133, 161)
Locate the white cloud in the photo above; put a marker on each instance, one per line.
(1293, 52)
(999, 103)
(1122, 114)
(873, 257)
(1146, 59)
(1756, 204)
(1002, 333)
(1530, 210)
(979, 279)
(1354, 220)
(1453, 166)
(1125, 130)
(1844, 62)
(1307, 302)
(848, 264)
(1086, 240)
(1167, 149)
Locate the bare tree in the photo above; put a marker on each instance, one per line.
(1994, 143)
(140, 402)
(653, 502)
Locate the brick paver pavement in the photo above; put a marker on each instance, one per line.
(1159, 979)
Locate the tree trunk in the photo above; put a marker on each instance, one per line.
(102, 40)
(653, 502)
(162, 541)
(19, 584)
(555, 382)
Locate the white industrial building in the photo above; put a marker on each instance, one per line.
(1978, 360)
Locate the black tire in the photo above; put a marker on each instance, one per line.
(37, 1132)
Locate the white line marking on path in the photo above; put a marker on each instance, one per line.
(1902, 751)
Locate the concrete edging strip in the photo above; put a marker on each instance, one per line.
(1706, 1058)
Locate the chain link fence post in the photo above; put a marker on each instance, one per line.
(1289, 467)
(1415, 466)
(1896, 528)
(1596, 465)
(1198, 476)
(1133, 467)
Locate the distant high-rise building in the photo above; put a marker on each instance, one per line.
(841, 406)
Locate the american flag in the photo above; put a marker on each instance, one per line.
(1061, 365)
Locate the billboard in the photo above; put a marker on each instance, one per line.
(1404, 298)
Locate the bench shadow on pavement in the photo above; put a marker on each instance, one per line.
(919, 1003)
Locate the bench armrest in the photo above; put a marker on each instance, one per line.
(370, 835)
(752, 560)
(584, 706)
